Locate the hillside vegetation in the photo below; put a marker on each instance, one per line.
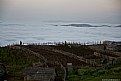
(96, 74)
(15, 61)
(17, 58)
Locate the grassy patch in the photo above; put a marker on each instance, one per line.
(15, 61)
(96, 74)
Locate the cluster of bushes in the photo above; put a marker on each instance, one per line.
(15, 59)
(96, 74)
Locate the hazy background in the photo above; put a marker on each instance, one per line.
(34, 21)
(87, 11)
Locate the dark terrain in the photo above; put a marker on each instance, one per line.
(16, 58)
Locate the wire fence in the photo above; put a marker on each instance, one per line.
(58, 43)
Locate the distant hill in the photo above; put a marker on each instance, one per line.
(118, 26)
(86, 25)
(79, 25)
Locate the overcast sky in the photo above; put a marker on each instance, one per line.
(100, 11)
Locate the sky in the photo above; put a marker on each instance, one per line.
(97, 11)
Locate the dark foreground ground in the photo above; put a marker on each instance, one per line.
(90, 63)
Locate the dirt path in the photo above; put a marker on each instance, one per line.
(30, 52)
(41, 57)
(80, 58)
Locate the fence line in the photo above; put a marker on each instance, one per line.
(59, 43)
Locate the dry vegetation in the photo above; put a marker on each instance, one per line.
(16, 59)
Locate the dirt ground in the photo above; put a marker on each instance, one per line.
(101, 49)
